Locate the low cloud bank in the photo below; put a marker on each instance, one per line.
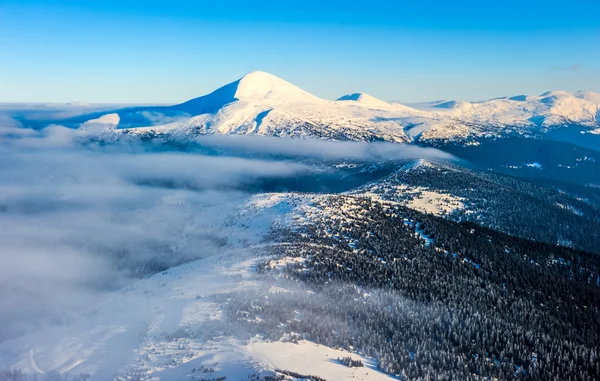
(322, 149)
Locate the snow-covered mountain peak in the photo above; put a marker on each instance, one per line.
(452, 105)
(108, 119)
(519, 98)
(366, 100)
(357, 97)
(556, 93)
(370, 102)
(588, 96)
(257, 87)
(262, 87)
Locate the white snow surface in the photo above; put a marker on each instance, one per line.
(261, 87)
(108, 119)
(548, 109)
(368, 101)
(419, 198)
(314, 360)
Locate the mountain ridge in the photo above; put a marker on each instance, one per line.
(260, 103)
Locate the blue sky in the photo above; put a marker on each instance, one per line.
(170, 51)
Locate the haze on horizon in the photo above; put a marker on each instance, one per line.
(156, 52)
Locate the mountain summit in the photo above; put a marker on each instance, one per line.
(259, 86)
(256, 87)
(366, 100)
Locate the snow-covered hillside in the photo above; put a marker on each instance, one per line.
(169, 326)
(263, 104)
(552, 108)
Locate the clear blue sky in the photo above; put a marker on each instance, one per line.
(171, 50)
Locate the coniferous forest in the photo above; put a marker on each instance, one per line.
(431, 299)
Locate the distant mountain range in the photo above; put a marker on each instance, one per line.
(263, 104)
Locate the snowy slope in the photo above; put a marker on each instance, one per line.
(365, 100)
(168, 327)
(312, 359)
(549, 109)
